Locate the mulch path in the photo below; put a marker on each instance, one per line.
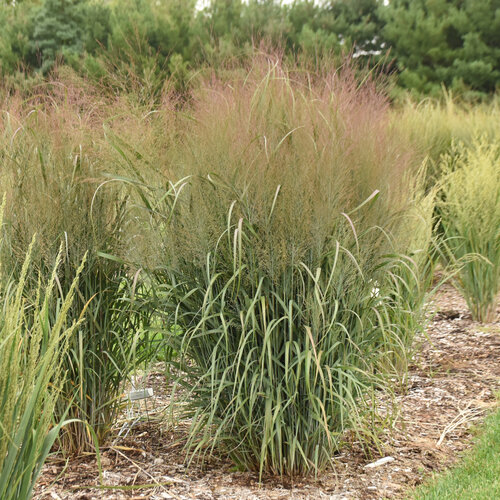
(451, 386)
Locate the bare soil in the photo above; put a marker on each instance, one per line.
(451, 386)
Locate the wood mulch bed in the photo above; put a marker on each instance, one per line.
(451, 386)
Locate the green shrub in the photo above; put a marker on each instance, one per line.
(470, 221)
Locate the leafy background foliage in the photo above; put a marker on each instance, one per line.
(428, 42)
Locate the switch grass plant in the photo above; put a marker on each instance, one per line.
(290, 247)
(33, 344)
(469, 212)
(52, 170)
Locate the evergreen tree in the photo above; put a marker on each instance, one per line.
(57, 31)
(455, 42)
(358, 24)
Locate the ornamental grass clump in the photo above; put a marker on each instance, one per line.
(469, 210)
(53, 172)
(288, 235)
(33, 344)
